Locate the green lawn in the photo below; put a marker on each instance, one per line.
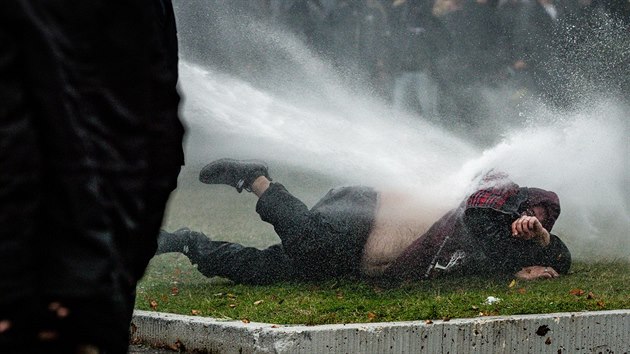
(172, 284)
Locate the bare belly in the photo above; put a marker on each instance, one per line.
(398, 222)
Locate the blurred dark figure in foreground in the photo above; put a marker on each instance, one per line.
(500, 228)
(90, 149)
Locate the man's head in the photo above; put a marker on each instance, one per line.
(545, 205)
(548, 201)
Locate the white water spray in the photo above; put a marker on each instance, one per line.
(582, 156)
(314, 122)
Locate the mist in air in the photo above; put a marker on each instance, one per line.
(294, 107)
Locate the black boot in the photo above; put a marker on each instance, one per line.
(239, 174)
(212, 258)
(177, 241)
(241, 264)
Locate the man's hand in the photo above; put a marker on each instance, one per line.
(537, 272)
(529, 227)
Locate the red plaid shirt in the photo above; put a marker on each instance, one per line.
(493, 198)
(494, 190)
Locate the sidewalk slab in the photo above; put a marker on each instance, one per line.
(575, 332)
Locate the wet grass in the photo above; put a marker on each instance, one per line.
(172, 284)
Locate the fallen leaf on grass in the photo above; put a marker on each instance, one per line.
(174, 291)
(475, 308)
(590, 295)
(339, 295)
(232, 305)
(512, 283)
(522, 291)
(576, 292)
(245, 320)
(258, 302)
(601, 304)
(371, 316)
(219, 294)
(195, 312)
(153, 304)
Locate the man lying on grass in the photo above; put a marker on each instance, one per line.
(351, 231)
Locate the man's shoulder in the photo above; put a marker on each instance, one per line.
(495, 190)
(495, 197)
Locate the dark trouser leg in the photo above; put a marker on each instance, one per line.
(324, 243)
(81, 110)
(246, 265)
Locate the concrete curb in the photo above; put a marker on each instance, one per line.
(577, 332)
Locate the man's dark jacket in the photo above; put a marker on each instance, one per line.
(476, 237)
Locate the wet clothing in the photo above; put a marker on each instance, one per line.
(323, 242)
(328, 240)
(476, 237)
(90, 148)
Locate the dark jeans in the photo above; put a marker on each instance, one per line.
(324, 242)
